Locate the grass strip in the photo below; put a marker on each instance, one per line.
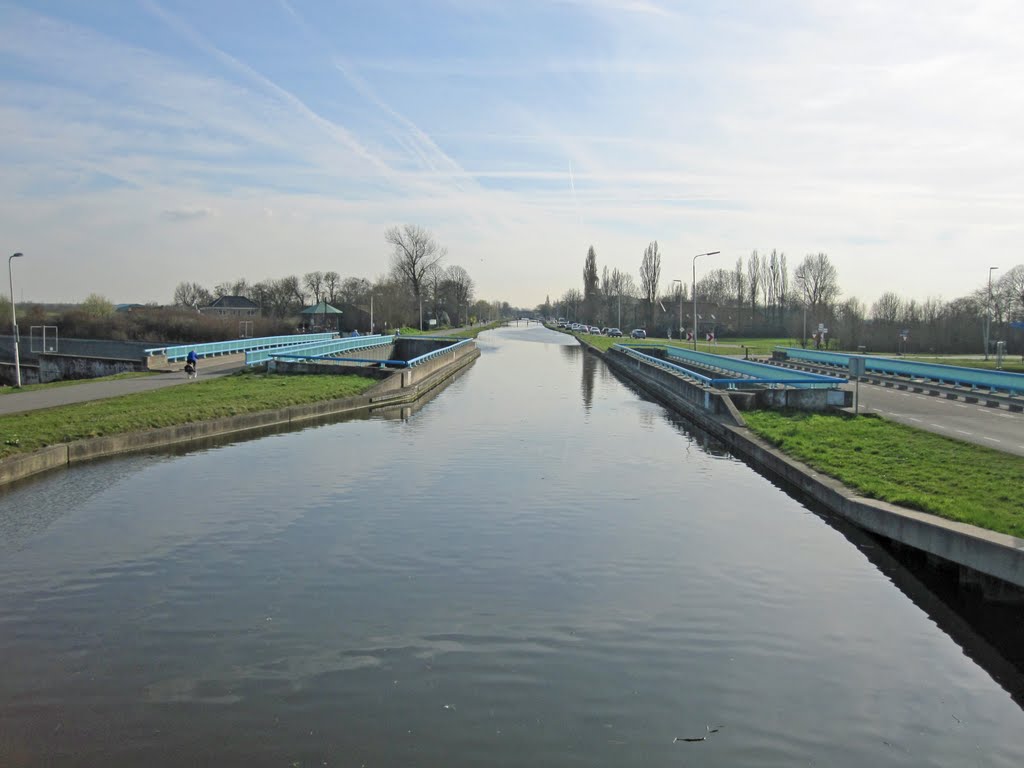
(244, 392)
(915, 469)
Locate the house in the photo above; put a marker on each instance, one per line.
(232, 306)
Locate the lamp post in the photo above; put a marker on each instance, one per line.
(680, 307)
(14, 319)
(709, 253)
(988, 310)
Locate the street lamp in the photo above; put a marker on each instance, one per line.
(988, 310)
(709, 253)
(680, 308)
(14, 319)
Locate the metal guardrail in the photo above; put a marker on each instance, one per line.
(180, 352)
(657, 362)
(317, 350)
(973, 378)
(438, 352)
(754, 372)
(743, 370)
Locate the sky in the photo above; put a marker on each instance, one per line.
(147, 143)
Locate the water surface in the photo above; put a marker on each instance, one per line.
(540, 567)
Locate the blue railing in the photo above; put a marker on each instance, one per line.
(974, 378)
(804, 381)
(317, 350)
(438, 352)
(759, 373)
(180, 352)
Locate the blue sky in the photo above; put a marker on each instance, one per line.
(146, 143)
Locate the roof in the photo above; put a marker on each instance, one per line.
(235, 302)
(323, 308)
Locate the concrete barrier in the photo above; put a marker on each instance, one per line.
(26, 465)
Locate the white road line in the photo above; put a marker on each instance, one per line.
(959, 405)
(963, 432)
(940, 426)
(913, 419)
(991, 439)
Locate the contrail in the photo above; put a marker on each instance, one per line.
(572, 186)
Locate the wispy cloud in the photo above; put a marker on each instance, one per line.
(885, 136)
(187, 214)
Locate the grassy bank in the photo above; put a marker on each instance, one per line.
(245, 392)
(915, 469)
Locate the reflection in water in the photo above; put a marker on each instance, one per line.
(589, 372)
(507, 578)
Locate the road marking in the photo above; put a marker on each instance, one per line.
(940, 426)
(959, 405)
(913, 419)
(962, 432)
(991, 439)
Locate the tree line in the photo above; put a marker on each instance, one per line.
(417, 288)
(763, 297)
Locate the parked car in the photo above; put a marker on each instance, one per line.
(639, 333)
(595, 330)
(614, 332)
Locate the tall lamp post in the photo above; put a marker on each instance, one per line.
(694, 284)
(680, 308)
(14, 319)
(988, 310)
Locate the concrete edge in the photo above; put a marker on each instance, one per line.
(992, 554)
(21, 466)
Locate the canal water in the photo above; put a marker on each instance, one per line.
(540, 567)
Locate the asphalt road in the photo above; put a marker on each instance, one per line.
(17, 402)
(997, 428)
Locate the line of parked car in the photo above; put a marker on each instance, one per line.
(636, 333)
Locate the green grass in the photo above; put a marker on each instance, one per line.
(912, 468)
(244, 392)
(726, 347)
(72, 382)
(1010, 366)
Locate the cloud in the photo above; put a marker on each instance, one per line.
(187, 214)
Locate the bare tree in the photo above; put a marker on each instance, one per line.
(753, 282)
(591, 287)
(354, 290)
(458, 287)
(887, 308)
(332, 282)
(650, 276)
(191, 295)
(314, 282)
(739, 286)
(415, 253)
(818, 282)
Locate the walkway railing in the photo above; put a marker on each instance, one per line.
(757, 373)
(234, 346)
(974, 378)
(319, 350)
(438, 352)
(743, 370)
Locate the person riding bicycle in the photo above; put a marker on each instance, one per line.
(193, 361)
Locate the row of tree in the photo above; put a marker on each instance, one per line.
(418, 287)
(762, 297)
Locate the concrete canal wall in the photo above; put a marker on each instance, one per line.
(992, 561)
(397, 388)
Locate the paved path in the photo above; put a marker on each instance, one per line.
(996, 428)
(17, 402)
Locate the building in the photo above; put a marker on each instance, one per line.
(232, 306)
